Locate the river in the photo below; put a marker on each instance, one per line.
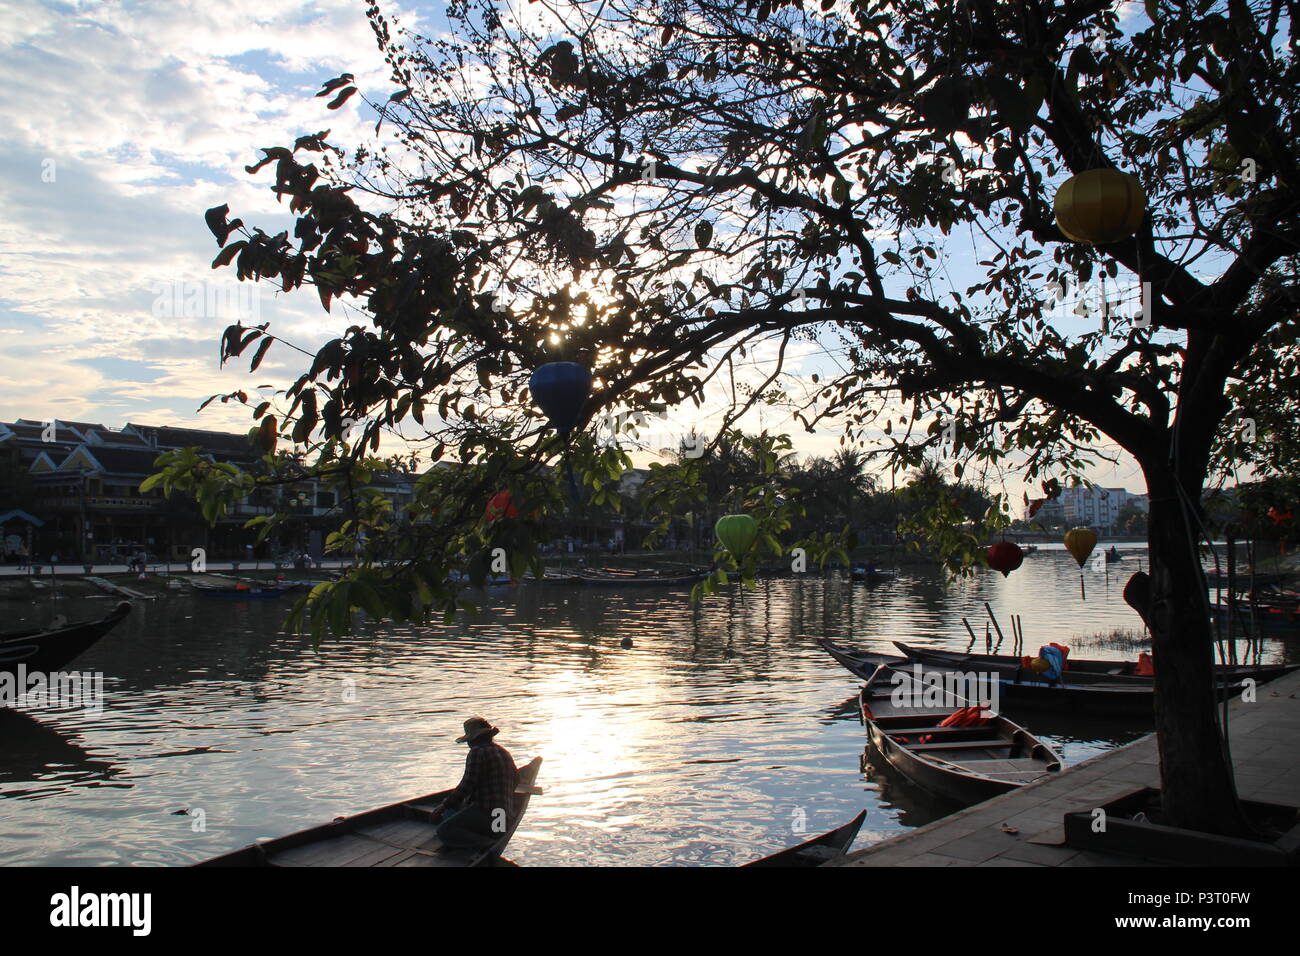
(724, 732)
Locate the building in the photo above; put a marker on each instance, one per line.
(1091, 507)
(81, 484)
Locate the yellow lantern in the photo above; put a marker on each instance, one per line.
(1099, 206)
(1080, 542)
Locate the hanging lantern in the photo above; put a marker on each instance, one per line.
(1099, 206)
(1080, 542)
(560, 389)
(736, 532)
(500, 505)
(1279, 516)
(1005, 556)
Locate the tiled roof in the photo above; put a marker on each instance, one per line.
(124, 461)
(226, 443)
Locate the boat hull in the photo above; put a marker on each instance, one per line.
(401, 834)
(1092, 699)
(948, 786)
(1082, 670)
(817, 851)
(51, 649)
(964, 762)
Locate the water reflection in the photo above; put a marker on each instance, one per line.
(722, 734)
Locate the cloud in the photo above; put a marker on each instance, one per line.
(124, 121)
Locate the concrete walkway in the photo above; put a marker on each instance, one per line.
(63, 569)
(1266, 754)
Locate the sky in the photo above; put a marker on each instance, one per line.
(123, 122)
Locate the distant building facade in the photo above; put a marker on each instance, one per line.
(1096, 507)
(84, 480)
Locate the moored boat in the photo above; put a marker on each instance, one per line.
(829, 846)
(49, 649)
(1095, 698)
(955, 749)
(611, 578)
(869, 574)
(1265, 616)
(401, 834)
(242, 590)
(491, 581)
(1080, 669)
(1244, 580)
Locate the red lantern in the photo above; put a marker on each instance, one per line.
(500, 506)
(1004, 556)
(1279, 517)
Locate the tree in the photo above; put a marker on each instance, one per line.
(654, 190)
(1131, 520)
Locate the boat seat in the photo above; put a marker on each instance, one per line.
(932, 729)
(963, 745)
(1003, 768)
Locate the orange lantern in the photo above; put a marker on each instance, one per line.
(1099, 206)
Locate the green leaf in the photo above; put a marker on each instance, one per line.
(703, 234)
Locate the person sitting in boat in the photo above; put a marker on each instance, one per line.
(478, 811)
(1113, 554)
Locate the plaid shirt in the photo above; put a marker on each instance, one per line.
(489, 780)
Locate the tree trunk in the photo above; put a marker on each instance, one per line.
(1198, 788)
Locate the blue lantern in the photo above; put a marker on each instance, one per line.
(560, 390)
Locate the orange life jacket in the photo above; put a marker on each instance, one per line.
(1145, 666)
(973, 716)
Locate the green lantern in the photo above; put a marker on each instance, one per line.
(737, 533)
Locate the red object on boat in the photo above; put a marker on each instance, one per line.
(500, 506)
(1004, 556)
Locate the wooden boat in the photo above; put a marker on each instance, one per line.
(1095, 698)
(1267, 616)
(829, 846)
(1080, 670)
(556, 577)
(49, 649)
(870, 575)
(1113, 556)
(491, 581)
(401, 834)
(1243, 580)
(611, 578)
(964, 764)
(242, 590)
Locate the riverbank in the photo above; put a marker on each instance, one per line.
(71, 580)
(1024, 827)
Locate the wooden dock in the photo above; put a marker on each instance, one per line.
(1024, 827)
(110, 588)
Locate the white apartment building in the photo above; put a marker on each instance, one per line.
(1097, 507)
